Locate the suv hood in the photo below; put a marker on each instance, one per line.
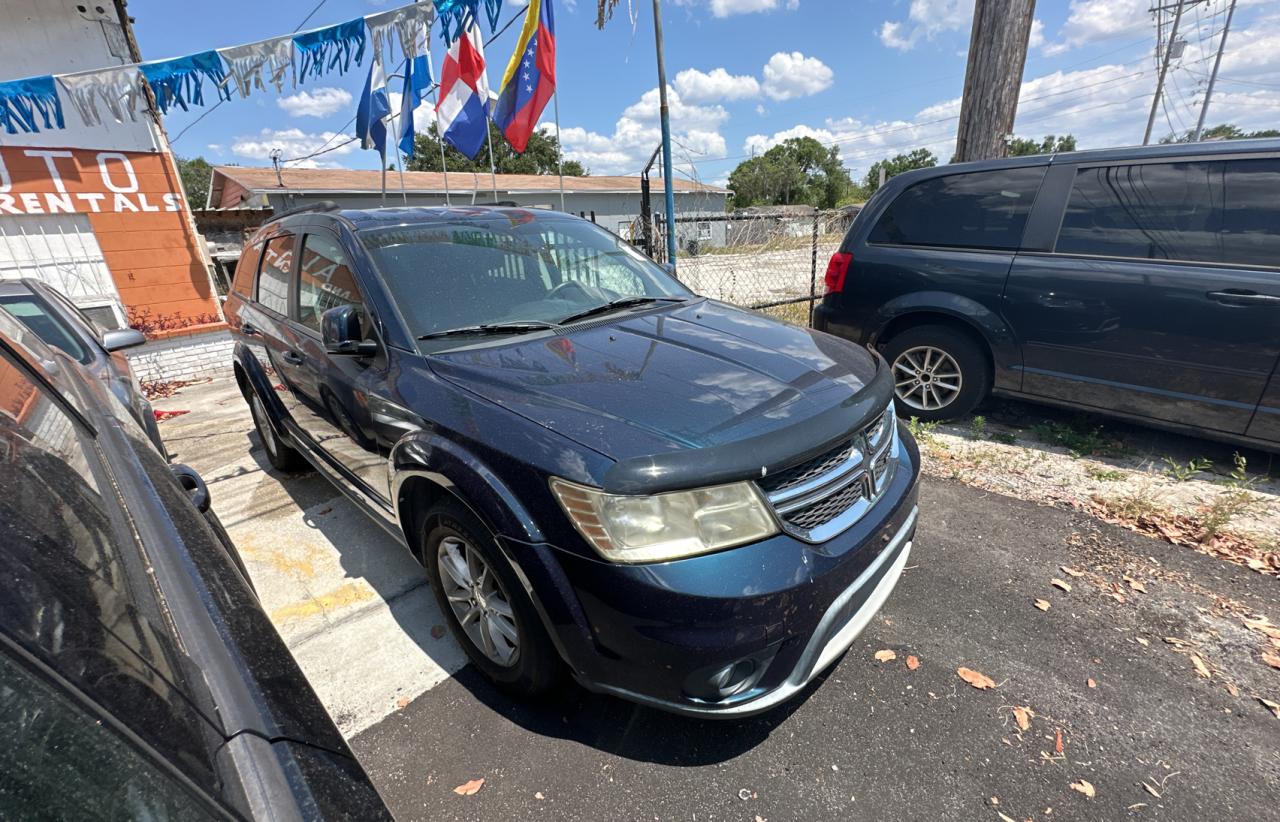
(698, 394)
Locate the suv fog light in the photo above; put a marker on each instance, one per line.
(718, 683)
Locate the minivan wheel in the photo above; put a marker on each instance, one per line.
(486, 606)
(282, 457)
(939, 373)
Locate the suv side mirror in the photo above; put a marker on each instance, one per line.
(122, 338)
(340, 330)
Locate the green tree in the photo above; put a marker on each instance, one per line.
(920, 158)
(1222, 131)
(1022, 146)
(539, 157)
(799, 171)
(196, 174)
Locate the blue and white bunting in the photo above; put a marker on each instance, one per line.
(180, 81)
(330, 49)
(25, 104)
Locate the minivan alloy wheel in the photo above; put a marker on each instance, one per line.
(478, 601)
(926, 378)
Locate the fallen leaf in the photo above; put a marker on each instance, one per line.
(1084, 787)
(913, 662)
(1274, 707)
(1004, 817)
(1069, 571)
(1173, 640)
(1091, 683)
(403, 702)
(437, 631)
(1143, 642)
(1137, 585)
(1232, 689)
(469, 788)
(1150, 790)
(1271, 659)
(1057, 741)
(1136, 806)
(1058, 583)
(1203, 670)
(978, 680)
(1117, 596)
(538, 795)
(885, 656)
(1022, 715)
(1262, 625)
(1043, 604)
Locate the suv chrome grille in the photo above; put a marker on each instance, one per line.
(819, 498)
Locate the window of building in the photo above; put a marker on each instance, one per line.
(704, 231)
(986, 210)
(273, 280)
(324, 279)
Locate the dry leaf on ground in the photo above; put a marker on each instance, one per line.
(1137, 585)
(1232, 689)
(1022, 715)
(1201, 668)
(1004, 817)
(975, 678)
(1057, 741)
(469, 788)
(1084, 787)
(1069, 571)
(1149, 789)
(1262, 625)
(1059, 583)
(1091, 683)
(1271, 659)
(1274, 707)
(1042, 604)
(403, 702)
(913, 662)
(1143, 642)
(885, 656)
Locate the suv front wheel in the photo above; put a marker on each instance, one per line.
(939, 373)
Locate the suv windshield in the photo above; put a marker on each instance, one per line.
(511, 267)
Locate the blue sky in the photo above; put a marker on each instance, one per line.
(873, 78)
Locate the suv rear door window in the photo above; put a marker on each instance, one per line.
(983, 209)
(325, 280)
(1220, 211)
(246, 268)
(273, 280)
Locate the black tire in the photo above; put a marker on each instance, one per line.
(966, 353)
(535, 667)
(282, 457)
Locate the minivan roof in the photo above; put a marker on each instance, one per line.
(1166, 150)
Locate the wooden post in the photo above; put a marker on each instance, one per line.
(993, 77)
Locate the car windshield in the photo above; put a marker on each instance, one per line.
(513, 269)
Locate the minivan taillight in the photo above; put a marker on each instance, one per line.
(836, 271)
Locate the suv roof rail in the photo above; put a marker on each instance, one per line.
(322, 205)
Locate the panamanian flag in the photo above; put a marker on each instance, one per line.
(464, 94)
(531, 76)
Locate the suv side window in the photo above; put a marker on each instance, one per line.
(273, 280)
(247, 269)
(980, 209)
(325, 279)
(1219, 211)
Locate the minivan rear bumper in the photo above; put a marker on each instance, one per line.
(826, 318)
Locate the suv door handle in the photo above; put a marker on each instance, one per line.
(291, 357)
(1242, 297)
(249, 330)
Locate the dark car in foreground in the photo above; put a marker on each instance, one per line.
(1141, 282)
(58, 322)
(139, 676)
(683, 503)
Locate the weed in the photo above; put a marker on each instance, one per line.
(978, 427)
(1100, 474)
(1184, 471)
(1004, 437)
(1079, 438)
(1136, 504)
(1237, 500)
(922, 431)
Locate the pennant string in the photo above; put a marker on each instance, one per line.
(118, 91)
(22, 100)
(324, 50)
(180, 81)
(247, 64)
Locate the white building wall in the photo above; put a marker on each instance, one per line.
(183, 358)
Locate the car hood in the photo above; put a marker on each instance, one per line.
(699, 393)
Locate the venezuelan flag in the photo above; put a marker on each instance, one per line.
(530, 79)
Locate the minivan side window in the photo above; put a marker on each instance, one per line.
(325, 280)
(980, 209)
(246, 270)
(1217, 211)
(273, 280)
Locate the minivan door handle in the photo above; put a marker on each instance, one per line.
(291, 357)
(248, 330)
(1242, 297)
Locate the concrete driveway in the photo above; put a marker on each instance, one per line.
(1140, 686)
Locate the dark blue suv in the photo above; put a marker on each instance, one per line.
(683, 503)
(1141, 282)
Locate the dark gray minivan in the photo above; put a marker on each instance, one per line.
(1140, 282)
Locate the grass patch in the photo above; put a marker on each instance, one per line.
(1183, 471)
(1004, 438)
(1080, 438)
(796, 313)
(978, 427)
(1100, 474)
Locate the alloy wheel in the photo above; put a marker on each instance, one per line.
(478, 600)
(926, 378)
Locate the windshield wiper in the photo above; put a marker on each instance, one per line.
(521, 327)
(614, 305)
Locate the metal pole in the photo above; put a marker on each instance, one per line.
(384, 179)
(400, 168)
(813, 267)
(555, 101)
(493, 169)
(444, 167)
(665, 114)
(1213, 75)
(1164, 68)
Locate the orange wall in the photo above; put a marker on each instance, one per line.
(134, 204)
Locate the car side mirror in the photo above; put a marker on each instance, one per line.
(122, 338)
(341, 332)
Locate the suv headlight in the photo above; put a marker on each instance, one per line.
(625, 528)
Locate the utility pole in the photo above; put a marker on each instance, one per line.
(665, 115)
(1213, 75)
(993, 77)
(1164, 67)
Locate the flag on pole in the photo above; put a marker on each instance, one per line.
(417, 82)
(464, 94)
(531, 76)
(375, 105)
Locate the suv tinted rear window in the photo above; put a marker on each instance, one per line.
(981, 209)
(273, 279)
(246, 268)
(1220, 211)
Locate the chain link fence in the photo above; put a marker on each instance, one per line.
(769, 260)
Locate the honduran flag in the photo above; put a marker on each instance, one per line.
(464, 94)
(531, 76)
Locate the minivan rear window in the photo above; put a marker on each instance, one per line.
(981, 209)
(1213, 211)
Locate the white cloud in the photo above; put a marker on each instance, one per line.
(1092, 20)
(725, 8)
(319, 102)
(789, 75)
(1036, 40)
(683, 115)
(926, 19)
(700, 87)
(294, 142)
